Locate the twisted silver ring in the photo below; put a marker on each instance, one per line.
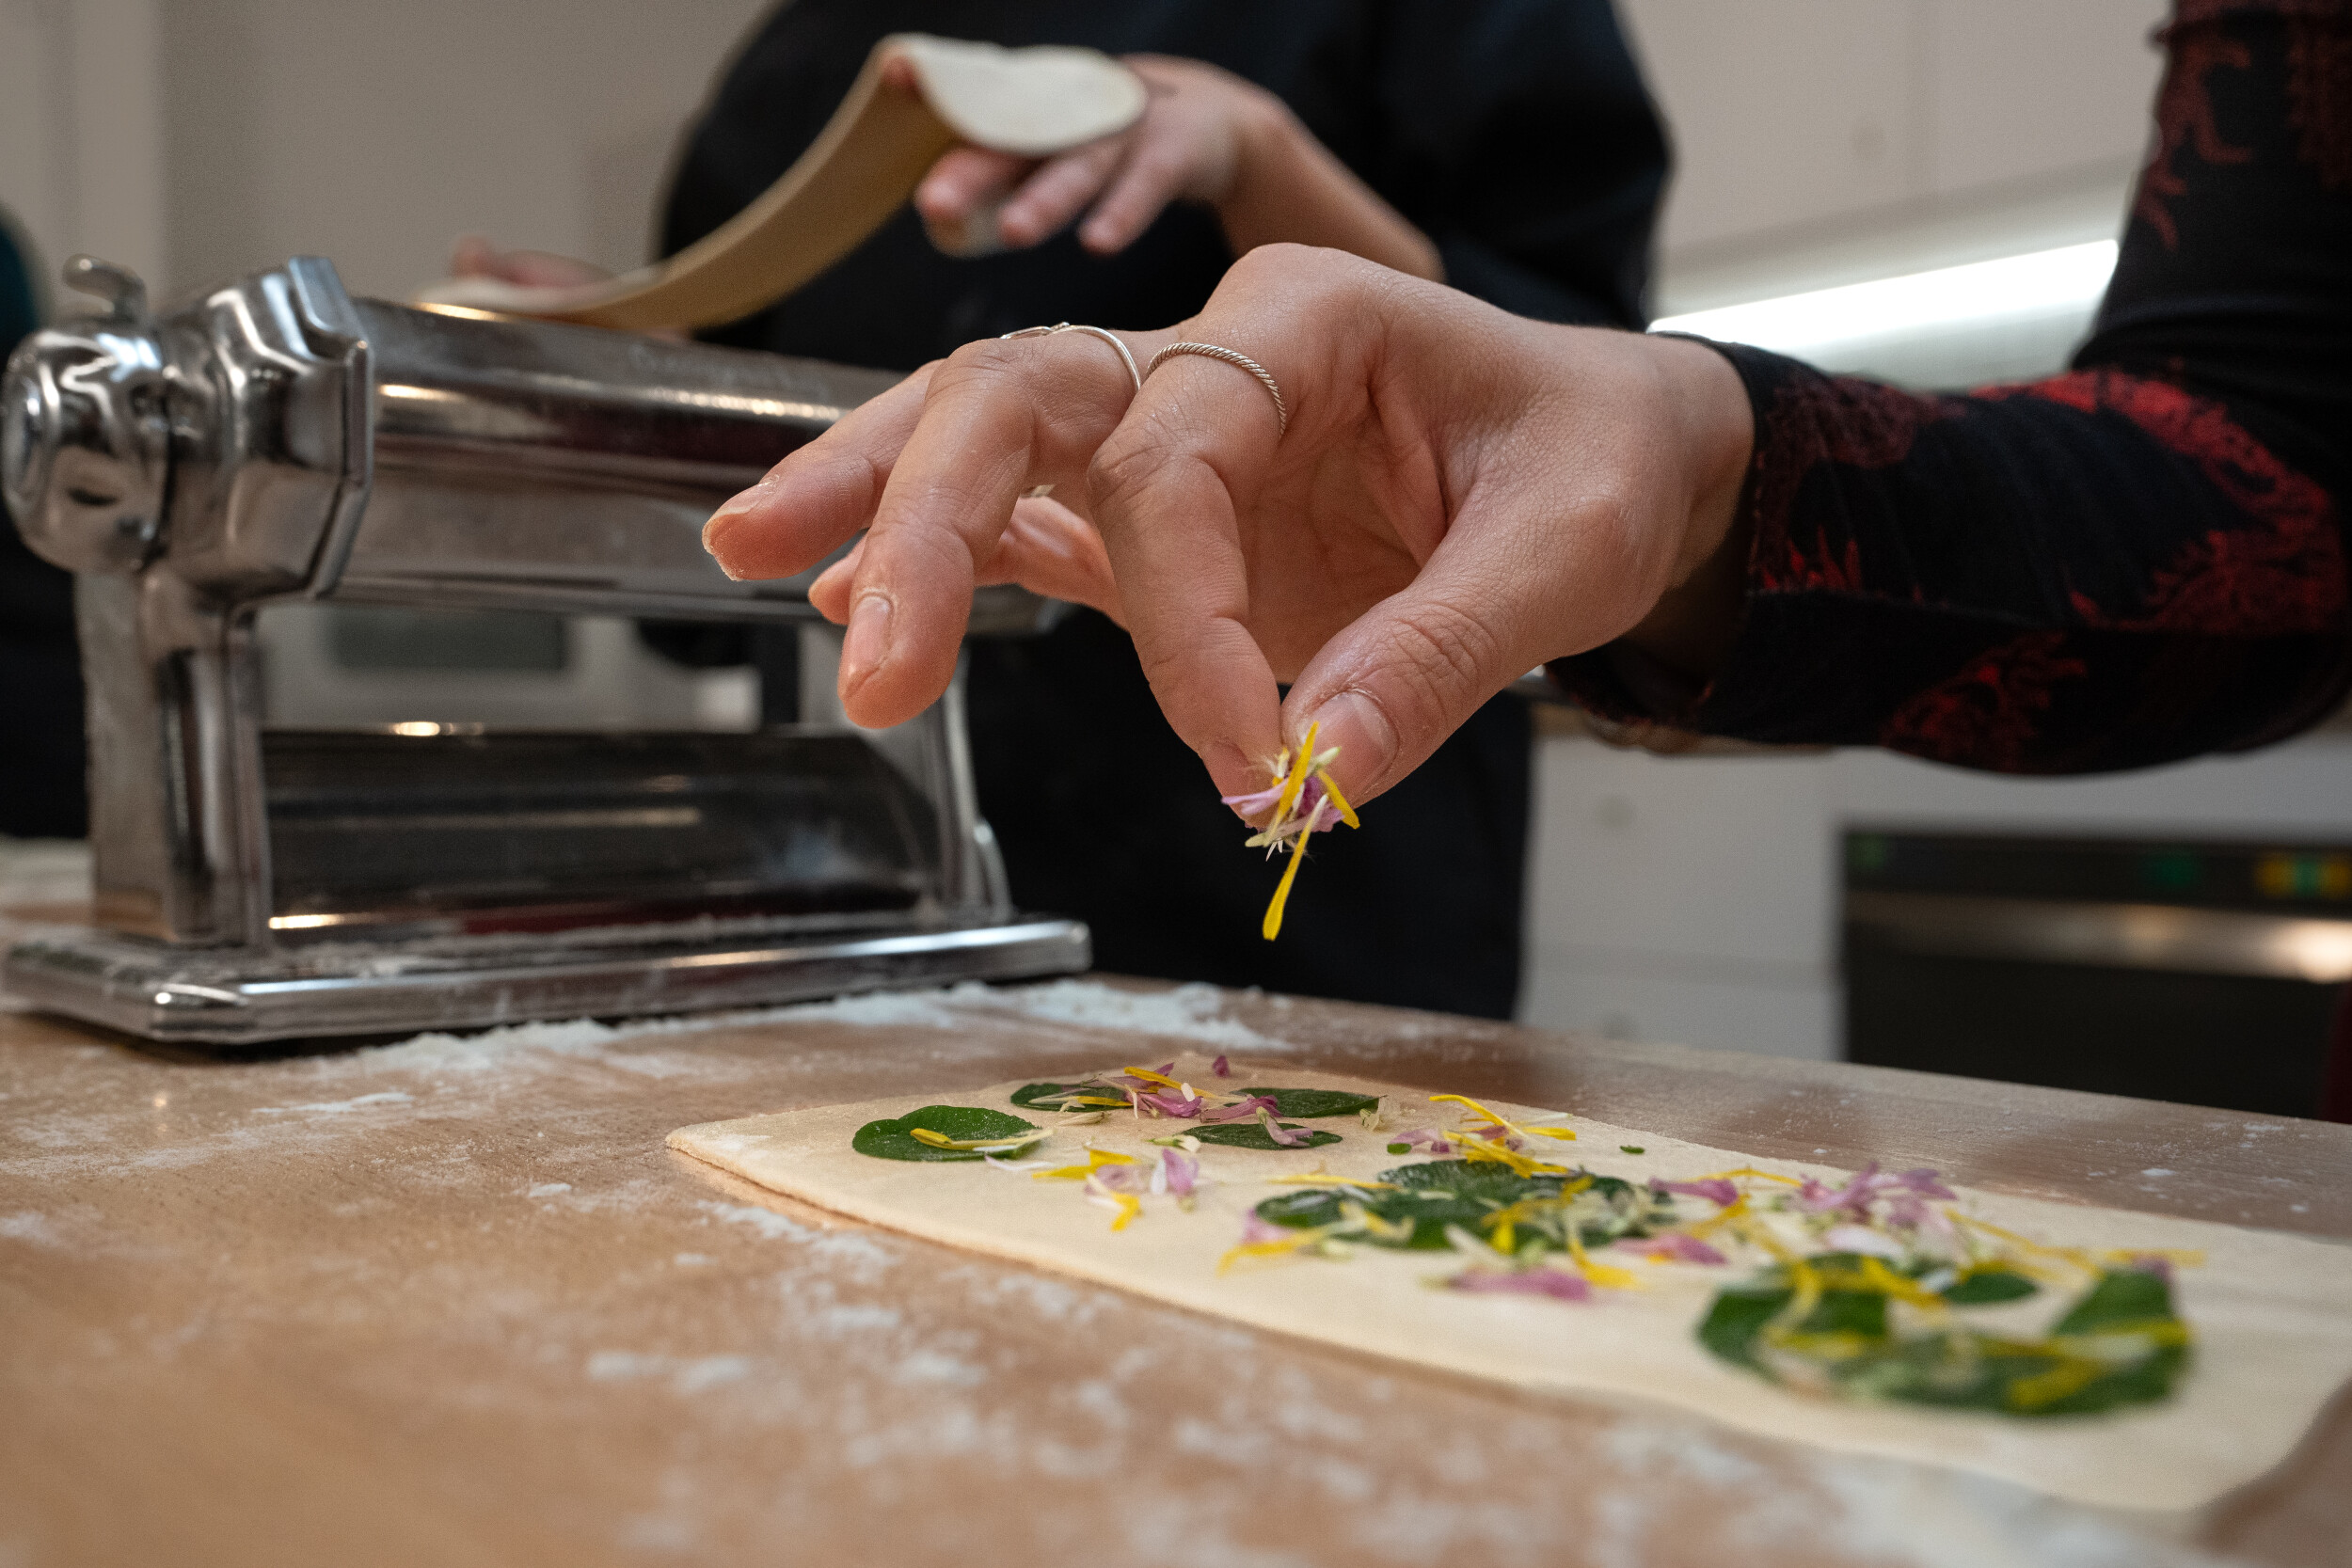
(1111, 338)
(1210, 350)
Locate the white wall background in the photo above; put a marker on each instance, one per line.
(1820, 142)
(196, 139)
(1823, 142)
(1803, 127)
(81, 127)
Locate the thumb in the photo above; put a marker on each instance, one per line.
(1407, 673)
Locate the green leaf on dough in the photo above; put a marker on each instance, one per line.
(1248, 1134)
(896, 1140)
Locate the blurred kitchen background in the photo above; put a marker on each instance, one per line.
(2185, 932)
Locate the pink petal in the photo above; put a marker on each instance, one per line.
(1255, 1229)
(1928, 1183)
(1172, 1104)
(1555, 1283)
(1220, 1068)
(1240, 1110)
(1853, 1198)
(1280, 1135)
(1672, 1246)
(1717, 1190)
(1178, 1170)
(1251, 805)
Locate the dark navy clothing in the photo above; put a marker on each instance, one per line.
(42, 788)
(1517, 135)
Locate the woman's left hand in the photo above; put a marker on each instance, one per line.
(1448, 497)
(1205, 137)
(1187, 147)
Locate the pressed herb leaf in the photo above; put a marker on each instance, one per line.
(894, 1139)
(2118, 1344)
(1051, 1097)
(2124, 1296)
(1437, 1193)
(1987, 1286)
(1316, 1102)
(1739, 1315)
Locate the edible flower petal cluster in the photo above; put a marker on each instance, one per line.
(1302, 800)
(1119, 1182)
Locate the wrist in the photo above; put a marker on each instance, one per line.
(1695, 620)
(1268, 140)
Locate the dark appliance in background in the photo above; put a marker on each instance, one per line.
(2204, 972)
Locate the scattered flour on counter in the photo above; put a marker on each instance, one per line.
(31, 1228)
(335, 1107)
(936, 1366)
(687, 1374)
(1192, 1012)
(492, 1048)
(855, 1247)
(1948, 1519)
(1876, 1509)
(775, 1227)
(549, 1189)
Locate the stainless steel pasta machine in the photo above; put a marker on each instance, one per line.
(278, 440)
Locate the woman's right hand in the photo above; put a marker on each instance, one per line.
(1461, 494)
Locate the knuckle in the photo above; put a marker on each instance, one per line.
(978, 363)
(1123, 468)
(1442, 657)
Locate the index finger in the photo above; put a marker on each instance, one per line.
(998, 419)
(813, 501)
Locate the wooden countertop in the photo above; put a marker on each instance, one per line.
(453, 1302)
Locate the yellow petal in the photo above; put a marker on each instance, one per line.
(1283, 892)
(1348, 812)
(1609, 1276)
(941, 1140)
(1278, 1246)
(1751, 1172)
(1096, 1159)
(1296, 780)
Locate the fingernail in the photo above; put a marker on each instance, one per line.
(1367, 742)
(739, 504)
(868, 640)
(721, 523)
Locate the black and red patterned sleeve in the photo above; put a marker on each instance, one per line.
(2142, 560)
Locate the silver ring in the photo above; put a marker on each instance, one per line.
(1111, 338)
(1210, 350)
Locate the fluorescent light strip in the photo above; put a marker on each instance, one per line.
(1982, 294)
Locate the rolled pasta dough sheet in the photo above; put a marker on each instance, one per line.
(2272, 1313)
